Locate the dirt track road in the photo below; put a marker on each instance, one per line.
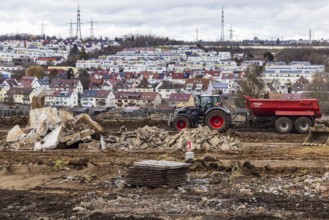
(271, 177)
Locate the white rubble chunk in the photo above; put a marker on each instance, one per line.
(50, 141)
(50, 113)
(15, 134)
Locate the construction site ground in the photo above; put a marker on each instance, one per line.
(272, 176)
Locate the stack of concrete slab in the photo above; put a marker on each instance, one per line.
(154, 173)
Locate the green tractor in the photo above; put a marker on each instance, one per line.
(208, 110)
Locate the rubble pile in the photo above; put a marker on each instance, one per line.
(50, 128)
(202, 138)
(155, 173)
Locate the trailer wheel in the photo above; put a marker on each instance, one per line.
(181, 122)
(303, 125)
(283, 125)
(217, 120)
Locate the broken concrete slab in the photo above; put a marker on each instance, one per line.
(66, 117)
(86, 134)
(31, 137)
(214, 141)
(50, 141)
(71, 139)
(15, 134)
(50, 113)
(42, 126)
(84, 119)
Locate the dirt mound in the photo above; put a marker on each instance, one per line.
(268, 136)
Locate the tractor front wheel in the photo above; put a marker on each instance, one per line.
(181, 122)
(217, 120)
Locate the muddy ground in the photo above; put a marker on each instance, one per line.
(272, 177)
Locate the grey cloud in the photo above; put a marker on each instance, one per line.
(266, 19)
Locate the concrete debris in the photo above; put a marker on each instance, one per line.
(38, 115)
(202, 138)
(50, 141)
(85, 121)
(15, 134)
(50, 128)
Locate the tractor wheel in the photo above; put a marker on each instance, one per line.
(181, 122)
(303, 125)
(283, 125)
(217, 120)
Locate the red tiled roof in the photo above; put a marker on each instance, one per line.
(180, 97)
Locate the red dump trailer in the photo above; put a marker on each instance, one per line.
(284, 115)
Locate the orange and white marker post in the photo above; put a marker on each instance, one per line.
(189, 154)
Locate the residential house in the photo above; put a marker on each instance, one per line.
(3, 93)
(166, 88)
(20, 95)
(9, 83)
(144, 86)
(140, 99)
(27, 81)
(96, 84)
(299, 86)
(61, 98)
(66, 85)
(181, 100)
(280, 86)
(122, 86)
(221, 87)
(38, 84)
(97, 98)
(198, 86)
(177, 78)
(130, 77)
(49, 61)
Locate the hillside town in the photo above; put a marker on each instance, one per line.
(141, 77)
(135, 110)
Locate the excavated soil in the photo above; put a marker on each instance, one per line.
(271, 177)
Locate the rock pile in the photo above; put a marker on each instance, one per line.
(50, 128)
(202, 138)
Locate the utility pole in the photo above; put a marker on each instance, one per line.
(197, 35)
(42, 30)
(91, 29)
(222, 37)
(78, 31)
(231, 33)
(71, 29)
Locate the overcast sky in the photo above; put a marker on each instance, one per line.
(179, 19)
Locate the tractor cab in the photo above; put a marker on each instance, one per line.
(206, 101)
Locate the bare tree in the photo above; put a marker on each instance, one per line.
(318, 88)
(252, 85)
